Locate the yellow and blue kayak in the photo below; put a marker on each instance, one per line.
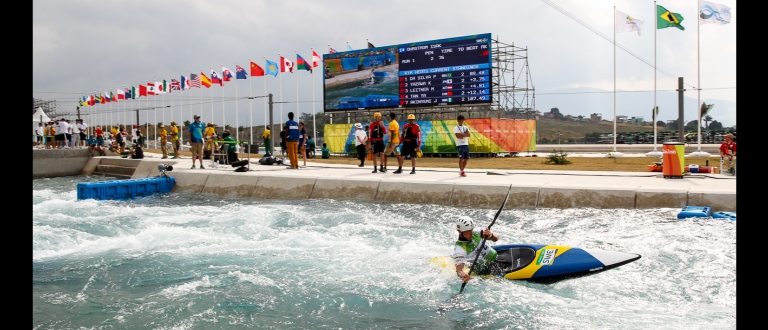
(548, 263)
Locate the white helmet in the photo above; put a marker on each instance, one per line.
(464, 224)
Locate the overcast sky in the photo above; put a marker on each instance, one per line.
(87, 46)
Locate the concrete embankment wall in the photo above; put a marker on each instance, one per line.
(484, 195)
(528, 190)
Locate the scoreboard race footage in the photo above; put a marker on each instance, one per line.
(445, 72)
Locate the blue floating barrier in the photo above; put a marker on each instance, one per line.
(122, 189)
(695, 211)
(724, 215)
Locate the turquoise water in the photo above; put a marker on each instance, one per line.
(198, 261)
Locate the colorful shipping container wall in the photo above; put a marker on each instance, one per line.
(489, 135)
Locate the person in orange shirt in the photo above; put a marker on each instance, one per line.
(728, 155)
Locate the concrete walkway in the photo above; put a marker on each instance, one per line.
(481, 187)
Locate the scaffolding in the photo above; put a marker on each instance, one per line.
(51, 108)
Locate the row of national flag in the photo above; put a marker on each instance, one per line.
(201, 80)
(709, 13)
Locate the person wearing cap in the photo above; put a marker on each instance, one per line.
(377, 131)
(210, 137)
(361, 139)
(462, 143)
(728, 155)
(83, 131)
(175, 141)
(467, 247)
(292, 133)
(410, 139)
(196, 140)
(163, 141)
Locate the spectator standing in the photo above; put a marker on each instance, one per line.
(83, 131)
(267, 141)
(361, 139)
(99, 132)
(176, 143)
(292, 132)
(462, 143)
(121, 137)
(39, 135)
(210, 135)
(133, 137)
(163, 141)
(394, 141)
(303, 143)
(76, 134)
(196, 140)
(326, 153)
(377, 131)
(411, 141)
(61, 134)
(52, 135)
(728, 155)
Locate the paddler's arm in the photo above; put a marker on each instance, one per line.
(487, 234)
(460, 272)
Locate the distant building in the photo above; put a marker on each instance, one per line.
(621, 119)
(596, 117)
(637, 121)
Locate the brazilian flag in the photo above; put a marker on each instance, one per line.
(667, 18)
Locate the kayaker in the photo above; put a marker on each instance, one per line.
(467, 246)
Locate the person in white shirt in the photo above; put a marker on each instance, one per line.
(61, 134)
(75, 134)
(39, 135)
(462, 143)
(361, 140)
(83, 132)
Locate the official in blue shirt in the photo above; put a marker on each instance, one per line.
(196, 140)
(292, 133)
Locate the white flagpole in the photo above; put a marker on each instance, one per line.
(250, 100)
(211, 99)
(237, 111)
(223, 115)
(163, 100)
(699, 152)
(614, 78)
(314, 119)
(298, 113)
(155, 111)
(655, 152)
(264, 83)
(280, 82)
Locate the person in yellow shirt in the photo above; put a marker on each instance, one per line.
(175, 139)
(210, 134)
(163, 141)
(114, 130)
(394, 140)
(267, 141)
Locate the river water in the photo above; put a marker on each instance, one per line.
(199, 261)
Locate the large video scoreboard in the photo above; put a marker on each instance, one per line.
(445, 72)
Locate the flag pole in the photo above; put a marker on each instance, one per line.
(211, 99)
(250, 101)
(298, 113)
(655, 152)
(265, 103)
(614, 79)
(280, 82)
(223, 115)
(165, 87)
(314, 119)
(237, 110)
(155, 111)
(699, 152)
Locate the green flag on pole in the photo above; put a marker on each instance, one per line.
(667, 18)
